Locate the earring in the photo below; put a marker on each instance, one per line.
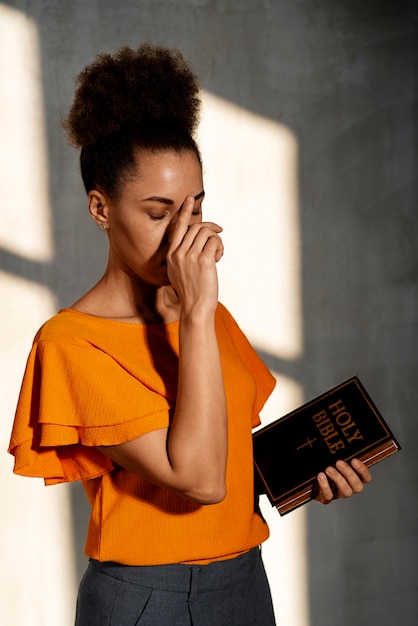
(102, 226)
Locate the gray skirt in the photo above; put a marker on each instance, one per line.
(234, 592)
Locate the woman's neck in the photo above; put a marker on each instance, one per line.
(130, 300)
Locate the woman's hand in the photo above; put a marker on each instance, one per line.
(194, 249)
(342, 481)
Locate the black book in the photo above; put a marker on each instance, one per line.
(342, 423)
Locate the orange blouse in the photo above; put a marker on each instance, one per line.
(91, 382)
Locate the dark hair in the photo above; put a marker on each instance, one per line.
(131, 100)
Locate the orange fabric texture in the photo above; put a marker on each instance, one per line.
(93, 382)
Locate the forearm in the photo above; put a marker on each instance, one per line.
(190, 457)
(198, 438)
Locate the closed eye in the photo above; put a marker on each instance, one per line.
(156, 218)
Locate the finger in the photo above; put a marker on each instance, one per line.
(197, 238)
(361, 470)
(355, 479)
(343, 485)
(181, 221)
(201, 247)
(326, 494)
(219, 253)
(214, 248)
(346, 479)
(198, 227)
(199, 235)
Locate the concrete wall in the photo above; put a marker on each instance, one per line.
(310, 143)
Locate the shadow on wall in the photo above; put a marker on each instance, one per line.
(342, 76)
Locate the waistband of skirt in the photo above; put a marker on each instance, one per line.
(181, 577)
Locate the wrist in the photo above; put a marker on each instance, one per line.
(197, 316)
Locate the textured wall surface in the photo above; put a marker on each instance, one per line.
(341, 76)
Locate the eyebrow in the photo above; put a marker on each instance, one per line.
(163, 200)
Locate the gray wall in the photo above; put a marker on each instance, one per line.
(342, 75)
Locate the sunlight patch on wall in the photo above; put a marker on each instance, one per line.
(37, 574)
(24, 203)
(36, 533)
(251, 183)
(28, 306)
(250, 168)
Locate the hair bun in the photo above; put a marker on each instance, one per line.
(130, 88)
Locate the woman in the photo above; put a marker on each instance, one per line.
(145, 388)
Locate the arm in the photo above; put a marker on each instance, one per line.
(190, 457)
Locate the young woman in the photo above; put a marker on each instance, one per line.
(145, 388)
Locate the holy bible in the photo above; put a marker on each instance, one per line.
(342, 423)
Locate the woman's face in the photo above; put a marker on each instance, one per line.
(140, 220)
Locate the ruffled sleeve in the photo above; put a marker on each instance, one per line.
(265, 381)
(74, 398)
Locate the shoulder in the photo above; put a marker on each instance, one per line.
(226, 319)
(71, 330)
(66, 326)
(71, 334)
(222, 313)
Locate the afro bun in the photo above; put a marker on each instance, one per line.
(133, 88)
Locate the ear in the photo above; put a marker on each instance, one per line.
(98, 208)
